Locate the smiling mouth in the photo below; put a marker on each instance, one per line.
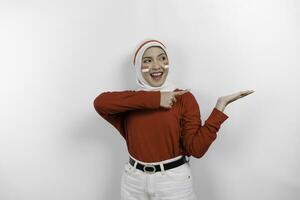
(156, 75)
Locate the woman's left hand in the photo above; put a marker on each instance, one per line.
(225, 100)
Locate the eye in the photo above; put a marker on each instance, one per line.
(145, 61)
(164, 58)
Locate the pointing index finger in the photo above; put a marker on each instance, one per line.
(181, 92)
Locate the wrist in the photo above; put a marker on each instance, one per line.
(220, 106)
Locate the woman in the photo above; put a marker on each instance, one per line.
(162, 127)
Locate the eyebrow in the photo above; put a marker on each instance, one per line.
(157, 56)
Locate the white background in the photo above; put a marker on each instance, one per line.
(57, 56)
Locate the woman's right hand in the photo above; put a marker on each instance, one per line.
(168, 98)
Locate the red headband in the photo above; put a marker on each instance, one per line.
(143, 45)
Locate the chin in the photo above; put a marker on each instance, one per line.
(157, 84)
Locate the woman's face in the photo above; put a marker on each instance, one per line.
(155, 66)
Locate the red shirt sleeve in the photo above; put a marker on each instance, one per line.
(197, 138)
(113, 106)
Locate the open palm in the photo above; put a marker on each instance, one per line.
(232, 97)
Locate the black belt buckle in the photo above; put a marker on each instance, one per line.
(149, 172)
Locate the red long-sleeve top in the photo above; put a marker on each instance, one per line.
(154, 133)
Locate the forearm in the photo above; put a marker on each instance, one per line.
(122, 101)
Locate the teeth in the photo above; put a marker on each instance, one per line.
(156, 74)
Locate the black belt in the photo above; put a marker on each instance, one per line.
(156, 168)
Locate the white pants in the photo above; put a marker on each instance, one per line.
(172, 184)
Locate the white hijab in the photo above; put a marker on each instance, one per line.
(137, 60)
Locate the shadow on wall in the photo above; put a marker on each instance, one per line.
(101, 144)
(99, 132)
(127, 72)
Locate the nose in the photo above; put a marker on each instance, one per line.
(157, 65)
